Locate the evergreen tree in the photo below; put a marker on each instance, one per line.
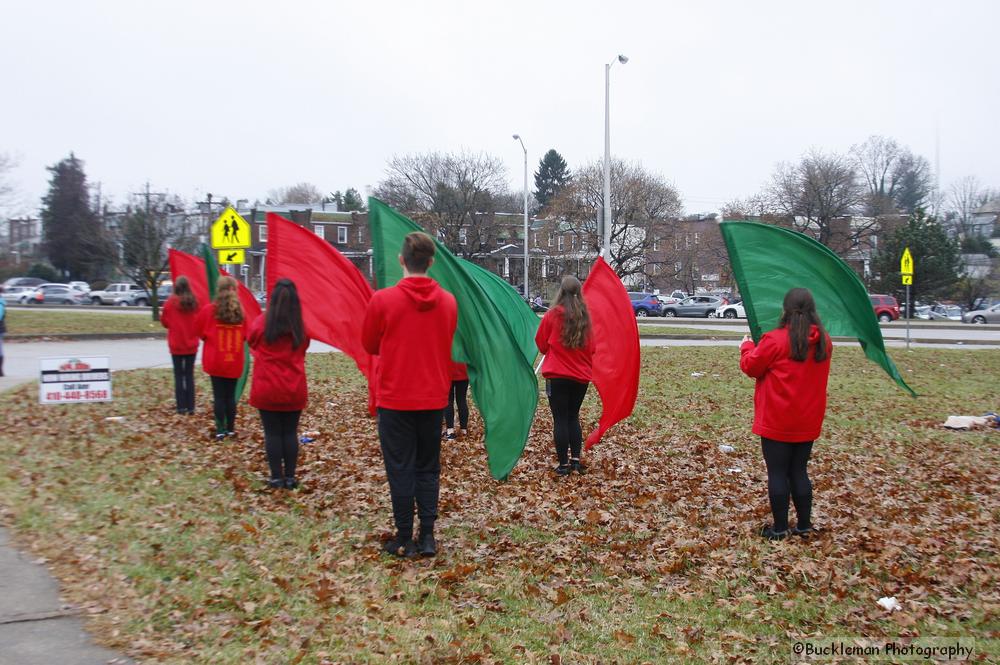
(936, 258)
(74, 239)
(352, 201)
(551, 177)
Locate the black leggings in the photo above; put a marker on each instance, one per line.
(184, 382)
(224, 403)
(459, 392)
(281, 441)
(411, 449)
(565, 398)
(786, 475)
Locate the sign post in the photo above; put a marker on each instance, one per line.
(230, 237)
(906, 270)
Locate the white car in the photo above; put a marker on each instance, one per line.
(731, 311)
(17, 294)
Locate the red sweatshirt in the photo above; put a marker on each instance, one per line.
(279, 371)
(410, 328)
(560, 362)
(222, 354)
(182, 332)
(459, 371)
(790, 397)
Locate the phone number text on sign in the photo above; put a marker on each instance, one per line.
(72, 380)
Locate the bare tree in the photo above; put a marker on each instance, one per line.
(965, 196)
(303, 193)
(641, 204)
(452, 195)
(815, 192)
(752, 207)
(7, 164)
(897, 181)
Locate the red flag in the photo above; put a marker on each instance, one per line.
(616, 353)
(333, 291)
(193, 268)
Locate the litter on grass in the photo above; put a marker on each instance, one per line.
(726, 449)
(889, 603)
(986, 421)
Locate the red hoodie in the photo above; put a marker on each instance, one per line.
(182, 332)
(560, 362)
(790, 397)
(410, 328)
(279, 371)
(222, 354)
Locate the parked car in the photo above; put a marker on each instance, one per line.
(644, 304)
(15, 294)
(694, 306)
(945, 313)
(674, 297)
(23, 281)
(886, 307)
(54, 293)
(988, 315)
(140, 298)
(114, 294)
(732, 311)
(82, 287)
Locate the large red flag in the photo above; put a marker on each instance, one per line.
(616, 353)
(193, 268)
(333, 291)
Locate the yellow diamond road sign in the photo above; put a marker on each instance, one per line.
(230, 231)
(906, 263)
(907, 280)
(232, 256)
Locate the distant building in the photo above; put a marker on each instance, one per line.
(24, 238)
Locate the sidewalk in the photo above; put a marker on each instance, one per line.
(36, 627)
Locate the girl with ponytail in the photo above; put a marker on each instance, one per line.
(564, 336)
(223, 326)
(791, 365)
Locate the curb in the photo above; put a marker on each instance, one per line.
(82, 337)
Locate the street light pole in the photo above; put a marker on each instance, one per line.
(607, 156)
(517, 137)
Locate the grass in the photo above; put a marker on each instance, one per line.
(61, 322)
(680, 330)
(180, 555)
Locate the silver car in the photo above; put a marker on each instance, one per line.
(988, 315)
(703, 306)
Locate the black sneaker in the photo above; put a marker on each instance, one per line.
(769, 533)
(450, 436)
(562, 470)
(427, 547)
(805, 533)
(291, 483)
(397, 547)
(276, 483)
(221, 436)
(576, 465)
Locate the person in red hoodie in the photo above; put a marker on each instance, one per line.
(179, 317)
(410, 328)
(458, 396)
(279, 341)
(791, 365)
(564, 336)
(223, 326)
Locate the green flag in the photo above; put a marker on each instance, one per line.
(212, 276)
(503, 383)
(769, 260)
(523, 323)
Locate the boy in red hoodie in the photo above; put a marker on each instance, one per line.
(410, 327)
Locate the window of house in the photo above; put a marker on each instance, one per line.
(687, 241)
(262, 232)
(550, 240)
(677, 242)
(656, 244)
(678, 266)
(463, 236)
(342, 235)
(656, 268)
(319, 230)
(561, 243)
(697, 236)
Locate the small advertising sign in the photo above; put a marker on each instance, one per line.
(71, 380)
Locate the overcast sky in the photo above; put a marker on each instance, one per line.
(238, 98)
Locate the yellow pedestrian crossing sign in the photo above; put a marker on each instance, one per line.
(230, 231)
(906, 263)
(232, 256)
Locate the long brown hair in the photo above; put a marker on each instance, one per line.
(227, 302)
(284, 314)
(799, 316)
(576, 322)
(185, 296)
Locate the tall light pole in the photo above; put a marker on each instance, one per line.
(517, 137)
(607, 156)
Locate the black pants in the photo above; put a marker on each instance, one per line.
(459, 393)
(786, 475)
(565, 398)
(281, 441)
(224, 403)
(184, 382)
(411, 448)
